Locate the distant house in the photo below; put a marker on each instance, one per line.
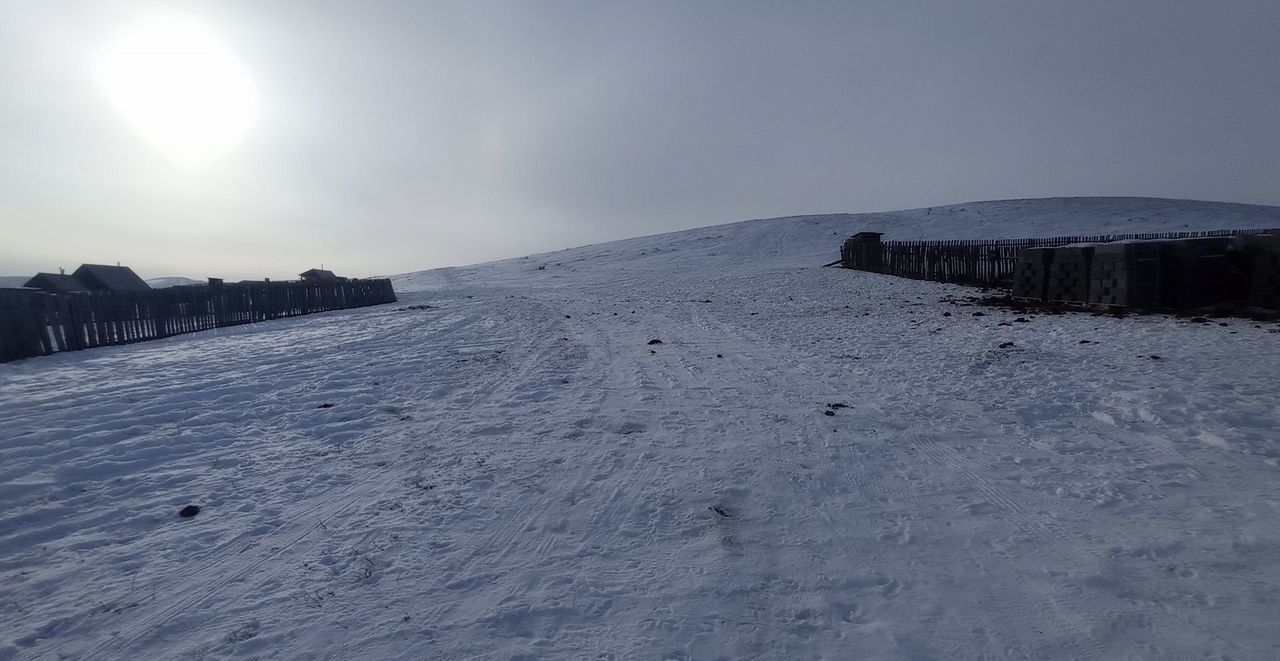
(100, 277)
(320, 274)
(57, 283)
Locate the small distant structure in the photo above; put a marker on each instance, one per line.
(101, 277)
(57, 283)
(863, 249)
(321, 275)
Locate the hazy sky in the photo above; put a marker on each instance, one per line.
(260, 138)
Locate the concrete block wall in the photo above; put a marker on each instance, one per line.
(1055, 275)
(1197, 273)
(1031, 273)
(1068, 280)
(1179, 273)
(1109, 276)
(1126, 274)
(1261, 254)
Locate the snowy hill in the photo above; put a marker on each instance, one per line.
(174, 281)
(816, 239)
(698, 445)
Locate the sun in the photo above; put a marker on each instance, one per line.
(178, 86)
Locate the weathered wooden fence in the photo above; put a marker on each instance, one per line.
(988, 263)
(36, 323)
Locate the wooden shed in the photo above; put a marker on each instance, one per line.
(101, 277)
(322, 275)
(57, 283)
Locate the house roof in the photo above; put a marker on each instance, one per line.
(110, 278)
(323, 274)
(59, 283)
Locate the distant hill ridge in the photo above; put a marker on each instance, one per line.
(174, 281)
(809, 240)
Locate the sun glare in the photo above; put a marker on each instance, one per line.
(178, 86)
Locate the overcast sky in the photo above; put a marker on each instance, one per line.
(382, 137)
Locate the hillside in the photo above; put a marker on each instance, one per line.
(174, 281)
(697, 445)
(809, 240)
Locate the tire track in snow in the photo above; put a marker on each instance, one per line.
(606, 468)
(202, 584)
(1071, 625)
(490, 553)
(1073, 622)
(776, 606)
(1053, 537)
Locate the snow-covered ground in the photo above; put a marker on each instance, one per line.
(515, 472)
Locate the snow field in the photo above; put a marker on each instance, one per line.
(515, 473)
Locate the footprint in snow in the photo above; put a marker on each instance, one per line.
(731, 545)
(244, 632)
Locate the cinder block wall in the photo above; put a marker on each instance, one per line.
(1261, 254)
(1031, 274)
(1068, 280)
(1178, 273)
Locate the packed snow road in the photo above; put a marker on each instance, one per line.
(812, 463)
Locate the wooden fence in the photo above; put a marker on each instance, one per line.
(37, 323)
(986, 263)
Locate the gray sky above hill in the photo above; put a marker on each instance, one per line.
(245, 139)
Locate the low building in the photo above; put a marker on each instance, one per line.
(101, 277)
(56, 283)
(321, 275)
